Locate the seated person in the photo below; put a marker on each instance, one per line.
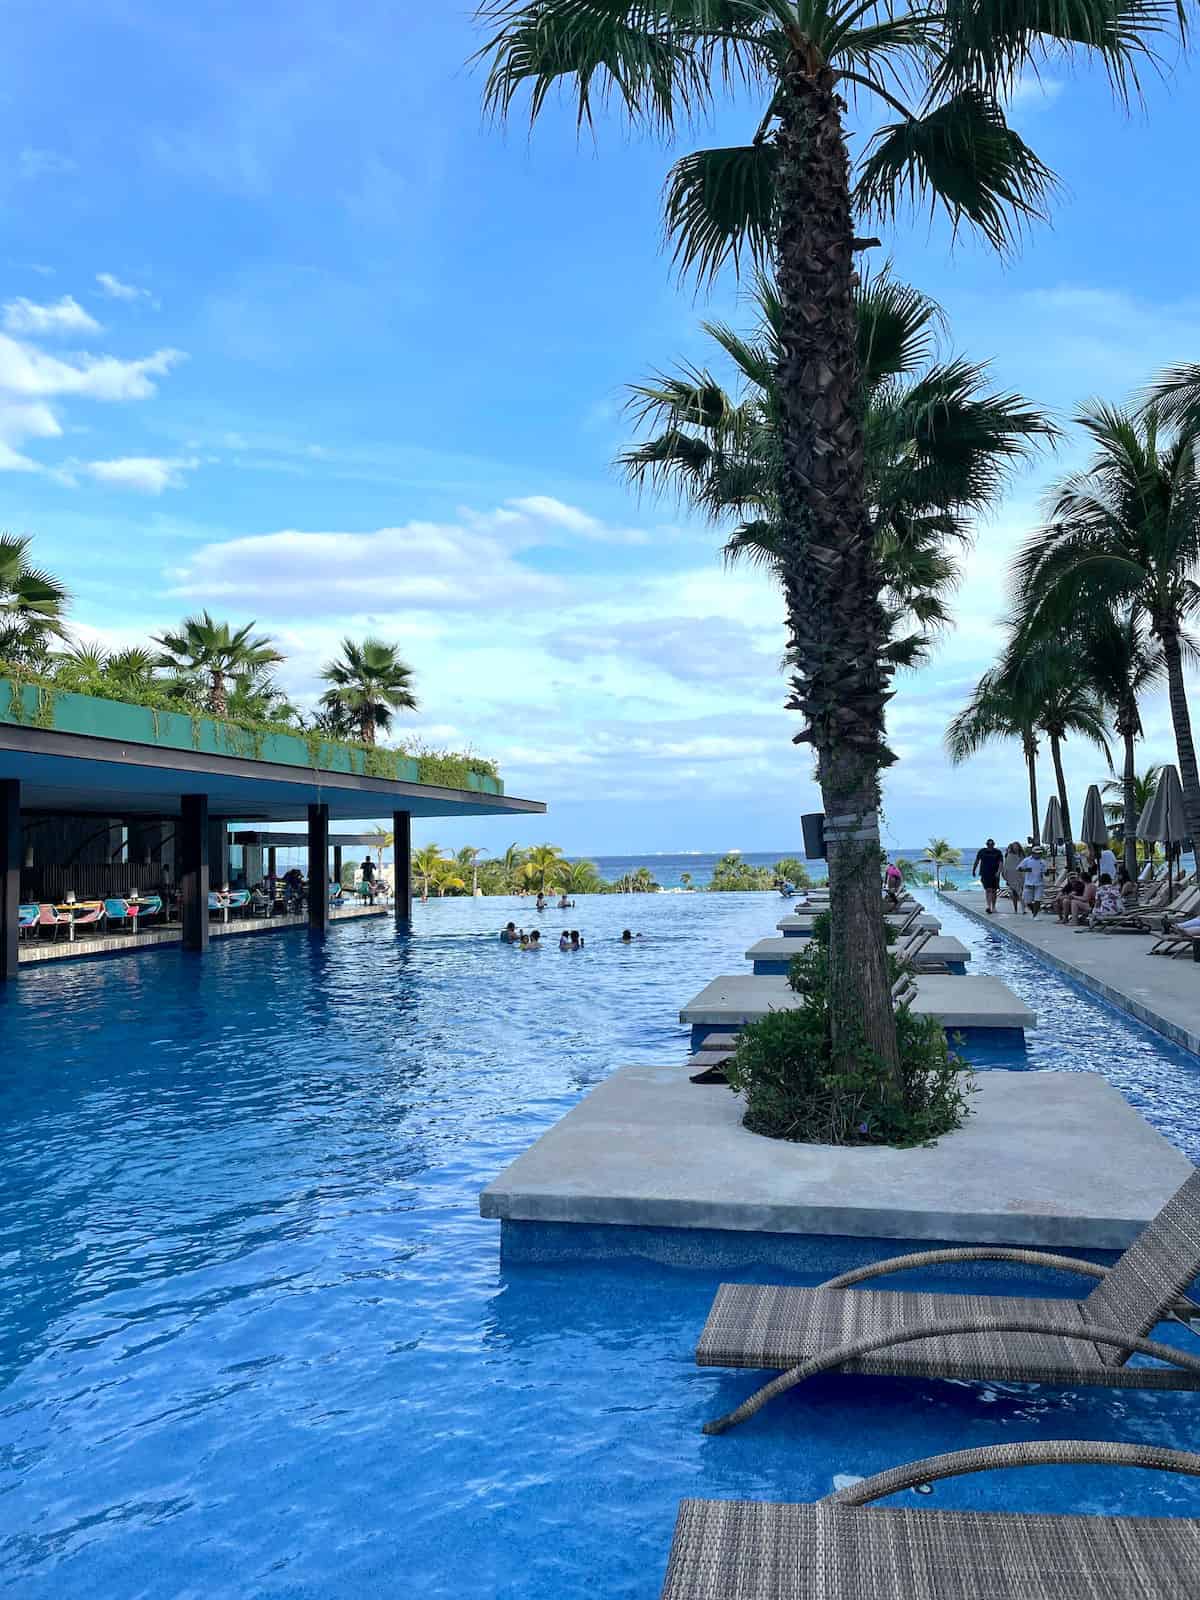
(1082, 905)
(1069, 890)
(1108, 899)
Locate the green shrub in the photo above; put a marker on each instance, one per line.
(783, 1066)
(792, 870)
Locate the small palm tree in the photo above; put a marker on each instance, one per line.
(383, 840)
(427, 864)
(1125, 532)
(1144, 785)
(367, 683)
(685, 880)
(999, 709)
(468, 862)
(544, 867)
(214, 652)
(939, 854)
(580, 877)
(32, 604)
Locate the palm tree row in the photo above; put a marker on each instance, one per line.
(204, 663)
(539, 868)
(1103, 595)
(790, 199)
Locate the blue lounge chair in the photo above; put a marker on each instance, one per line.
(28, 918)
(120, 914)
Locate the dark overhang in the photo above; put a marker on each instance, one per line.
(80, 774)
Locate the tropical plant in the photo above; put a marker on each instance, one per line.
(1125, 532)
(1144, 786)
(911, 874)
(32, 604)
(110, 675)
(382, 840)
(685, 880)
(581, 877)
(427, 864)
(998, 709)
(732, 875)
(940, 854)
(543, 867)
(782, 1068)
(368, 682)
(1121, 660)
(467, 861)
(213, 653)
(789, 195)
(256, 697)
(939, 446)
(794, 871)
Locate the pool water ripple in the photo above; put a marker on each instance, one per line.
(255, 1339)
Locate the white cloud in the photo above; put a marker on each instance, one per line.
(60, 316)
(554, 513)
(1032, 91)
(116, 290)
(31, 378)
(143, 474)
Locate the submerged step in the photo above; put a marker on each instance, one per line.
(772, 957)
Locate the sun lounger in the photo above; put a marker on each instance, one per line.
(989, 1338)
(1143, 918)
(842, 1548)
(1182, 909)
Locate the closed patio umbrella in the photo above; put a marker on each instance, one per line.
(1162, 820)
(1052, 828)
(1094, 827)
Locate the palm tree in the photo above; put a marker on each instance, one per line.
(789, 195)
(367, 684)
(999, 709)
(941, 853)
(1122, 660)
(384, 840)
(1144, 785)
(544, 867)
(32, 604)
(427, 863)
(581, 877)
(214, 652)
(1126, 532)
(685, 880)
(255, 697)
(939, 444)
(468, 861)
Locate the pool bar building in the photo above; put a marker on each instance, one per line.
(125, 798)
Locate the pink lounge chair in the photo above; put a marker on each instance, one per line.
(50, 917)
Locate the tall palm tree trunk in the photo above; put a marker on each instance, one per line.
(1035, 827)
(1182, 721)
(1064, 803)
(367, 726)
(1128, 731)
(831, 580)
(218, 700)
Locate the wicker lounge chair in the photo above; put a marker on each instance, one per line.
(1171, 941)
(1143, 917)
(841, 1548)
(995, 1338)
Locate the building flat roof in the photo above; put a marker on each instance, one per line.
(83, 774)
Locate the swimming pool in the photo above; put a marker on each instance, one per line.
(255, 1339)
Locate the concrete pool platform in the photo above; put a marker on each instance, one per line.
(1160, 991)
(1052, 1159)
(798, 924)
(961, 1004)
(772, 957)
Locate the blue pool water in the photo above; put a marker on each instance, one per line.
(256, 1341)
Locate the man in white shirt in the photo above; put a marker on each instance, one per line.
(1034, 869)
(1108, 862)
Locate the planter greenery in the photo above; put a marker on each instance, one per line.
(784, 1064)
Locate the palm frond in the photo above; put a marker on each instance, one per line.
(720, 205)
(1175, 393)
(897, 327)
(963, 157)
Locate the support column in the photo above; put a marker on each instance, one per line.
(271, 860)
(402, 855)
(10, 875)
(191, 855)
(337, 863)
(318, 868)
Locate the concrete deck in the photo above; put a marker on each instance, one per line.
(1051, 1159)
(772, 957)
(1161, 991)
(798, 924)
(961, 1004)
(120, 944)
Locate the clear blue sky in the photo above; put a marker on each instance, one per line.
(288, 331)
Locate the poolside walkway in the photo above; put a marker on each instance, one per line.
(1161, 991)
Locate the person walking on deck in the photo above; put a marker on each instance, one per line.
(988, 864)
(1034, 869)
(1013, 879)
